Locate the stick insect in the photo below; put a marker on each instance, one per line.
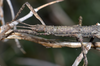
(77, 31)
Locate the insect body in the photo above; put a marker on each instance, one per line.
(73, 31)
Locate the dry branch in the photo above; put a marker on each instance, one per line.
(79, 58)
(1, 13)
(7, 27)
(48, 42)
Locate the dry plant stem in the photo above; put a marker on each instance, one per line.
(11, 9)
(49, 43)
(1, 13)
(3, 31)
(13, 16)
(33, 11)
(82, 46)
(19, 46)
(14, 23)
(83, 50)
(48, 4)
(36, 9)
(79, 58)
(5, 28)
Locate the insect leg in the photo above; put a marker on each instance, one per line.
(36, 15)
(82, 46)
(33, 11)
(16, 40)
(83, 50)
(36, 9)
(19, 46)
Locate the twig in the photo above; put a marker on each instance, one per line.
(79, 58)
(37, 9)
(47, 42)
(1, 13)
(13, 16)
(5, 28)
(11, 9)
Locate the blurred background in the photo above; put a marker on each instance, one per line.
(63, 13)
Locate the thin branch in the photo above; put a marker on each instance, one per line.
(1, 13)
(30, 14)
(11, 9)
(5, 28)
(19, 46)
(79, 58)
(13, 16)
(48, 42)
(45, 5)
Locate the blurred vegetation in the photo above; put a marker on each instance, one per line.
(88, 9)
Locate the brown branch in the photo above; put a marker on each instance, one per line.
(5, 28)
(48, 42)
(79, 58)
